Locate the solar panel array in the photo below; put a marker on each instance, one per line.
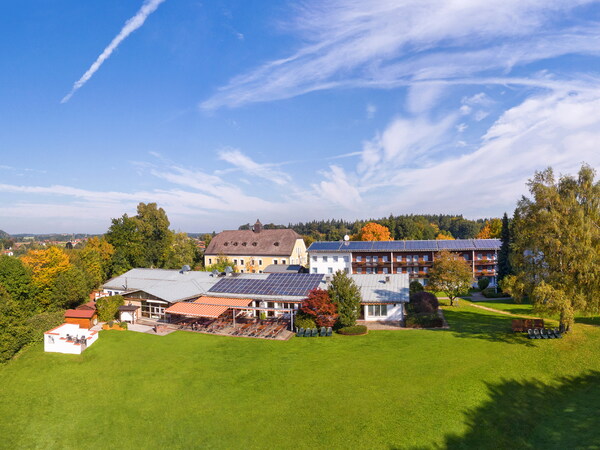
(294, 284)
(396, 246)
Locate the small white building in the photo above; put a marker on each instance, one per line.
(69, 338)
(330, 263)
(383, 296)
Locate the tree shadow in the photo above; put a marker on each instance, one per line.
(479, 325)
(533, 414)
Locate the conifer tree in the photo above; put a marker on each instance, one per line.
(344, 292)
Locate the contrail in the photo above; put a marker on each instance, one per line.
(131, 25)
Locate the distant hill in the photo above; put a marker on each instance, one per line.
(4, 235)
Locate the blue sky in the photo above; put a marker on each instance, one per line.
(225, 111)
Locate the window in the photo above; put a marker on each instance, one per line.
(425, 269)
(374, 269)
(329, 270)
(398, 269)
(466, 256)
(260, 262)
(408, 258)
(368, 259)
(415, 258)
(324, 258)
(335, 259)
(359, 270)
(425, 257)
(377, 310)
(375, 259)
(369, 270)
(235, 262)
(385, 270)
(384, 258)
(241, 262)
(346, 270)
(399, 258)
(489, 256)
(314, 270)
(274, 261)
(209, 260)
(314, 258)
(359, 259)
(346, 259)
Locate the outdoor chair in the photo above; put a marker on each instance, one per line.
(307, 332)
(543, 333)
(329, 331)
(323, 331)
(531, 334)
(536, 332)
(314, 333)
(557, 333)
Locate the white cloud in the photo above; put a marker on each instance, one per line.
(383, 43)
(130, 26)
(371, 110)
(247, 165)
(339, 189)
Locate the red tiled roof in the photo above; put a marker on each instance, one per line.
(206, 306)
(80, 313)
(88, 305)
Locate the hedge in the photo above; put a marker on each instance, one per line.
(424, 321)
(353, 331)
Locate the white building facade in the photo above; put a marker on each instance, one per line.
(330, 263)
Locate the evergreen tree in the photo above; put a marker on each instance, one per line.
(344, 292)
(504, 267)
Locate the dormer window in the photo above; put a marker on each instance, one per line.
(254, 244)
(276, 244)
(244, 244)
(235, 244)
(226, 244)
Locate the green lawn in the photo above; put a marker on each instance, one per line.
(474, 386)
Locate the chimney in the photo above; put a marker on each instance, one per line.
(257, 226)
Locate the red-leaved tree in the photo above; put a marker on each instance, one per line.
(319, 306)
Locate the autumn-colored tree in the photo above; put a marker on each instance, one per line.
(450, 274)
(491, 230)
(444, 236)
(94, 259)
(319, 306)
(555, 243)
(46, 266)
(374, 232)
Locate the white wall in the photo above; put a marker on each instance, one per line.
(330, 262)
(55, 340)
(394, 312)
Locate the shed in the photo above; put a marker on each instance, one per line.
(85, 318)
(128, 313)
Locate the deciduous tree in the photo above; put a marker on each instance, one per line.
(319, 306)
(46, 266)
(450, 274)
(556, 244)
(374, 232)
(108, 307)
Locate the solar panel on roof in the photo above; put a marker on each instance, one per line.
(359, 245)
(323, 246)
(294, 284)
(487, 243)
(388, 245)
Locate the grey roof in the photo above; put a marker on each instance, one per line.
(405, 246)
(381, 288)
(169, 285)
(253, 243)
(283, 268)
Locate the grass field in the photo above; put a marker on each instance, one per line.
(473, 386)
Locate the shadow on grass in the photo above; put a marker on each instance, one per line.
(588, 320)
(533, 414)
(476, 325)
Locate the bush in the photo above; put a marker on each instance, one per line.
(424, 321)
(423, 303)
(108, 307)
(489, 293)
(123, 325)
(415, 287)
(353, 331)
(304, 321)
(483, 283)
